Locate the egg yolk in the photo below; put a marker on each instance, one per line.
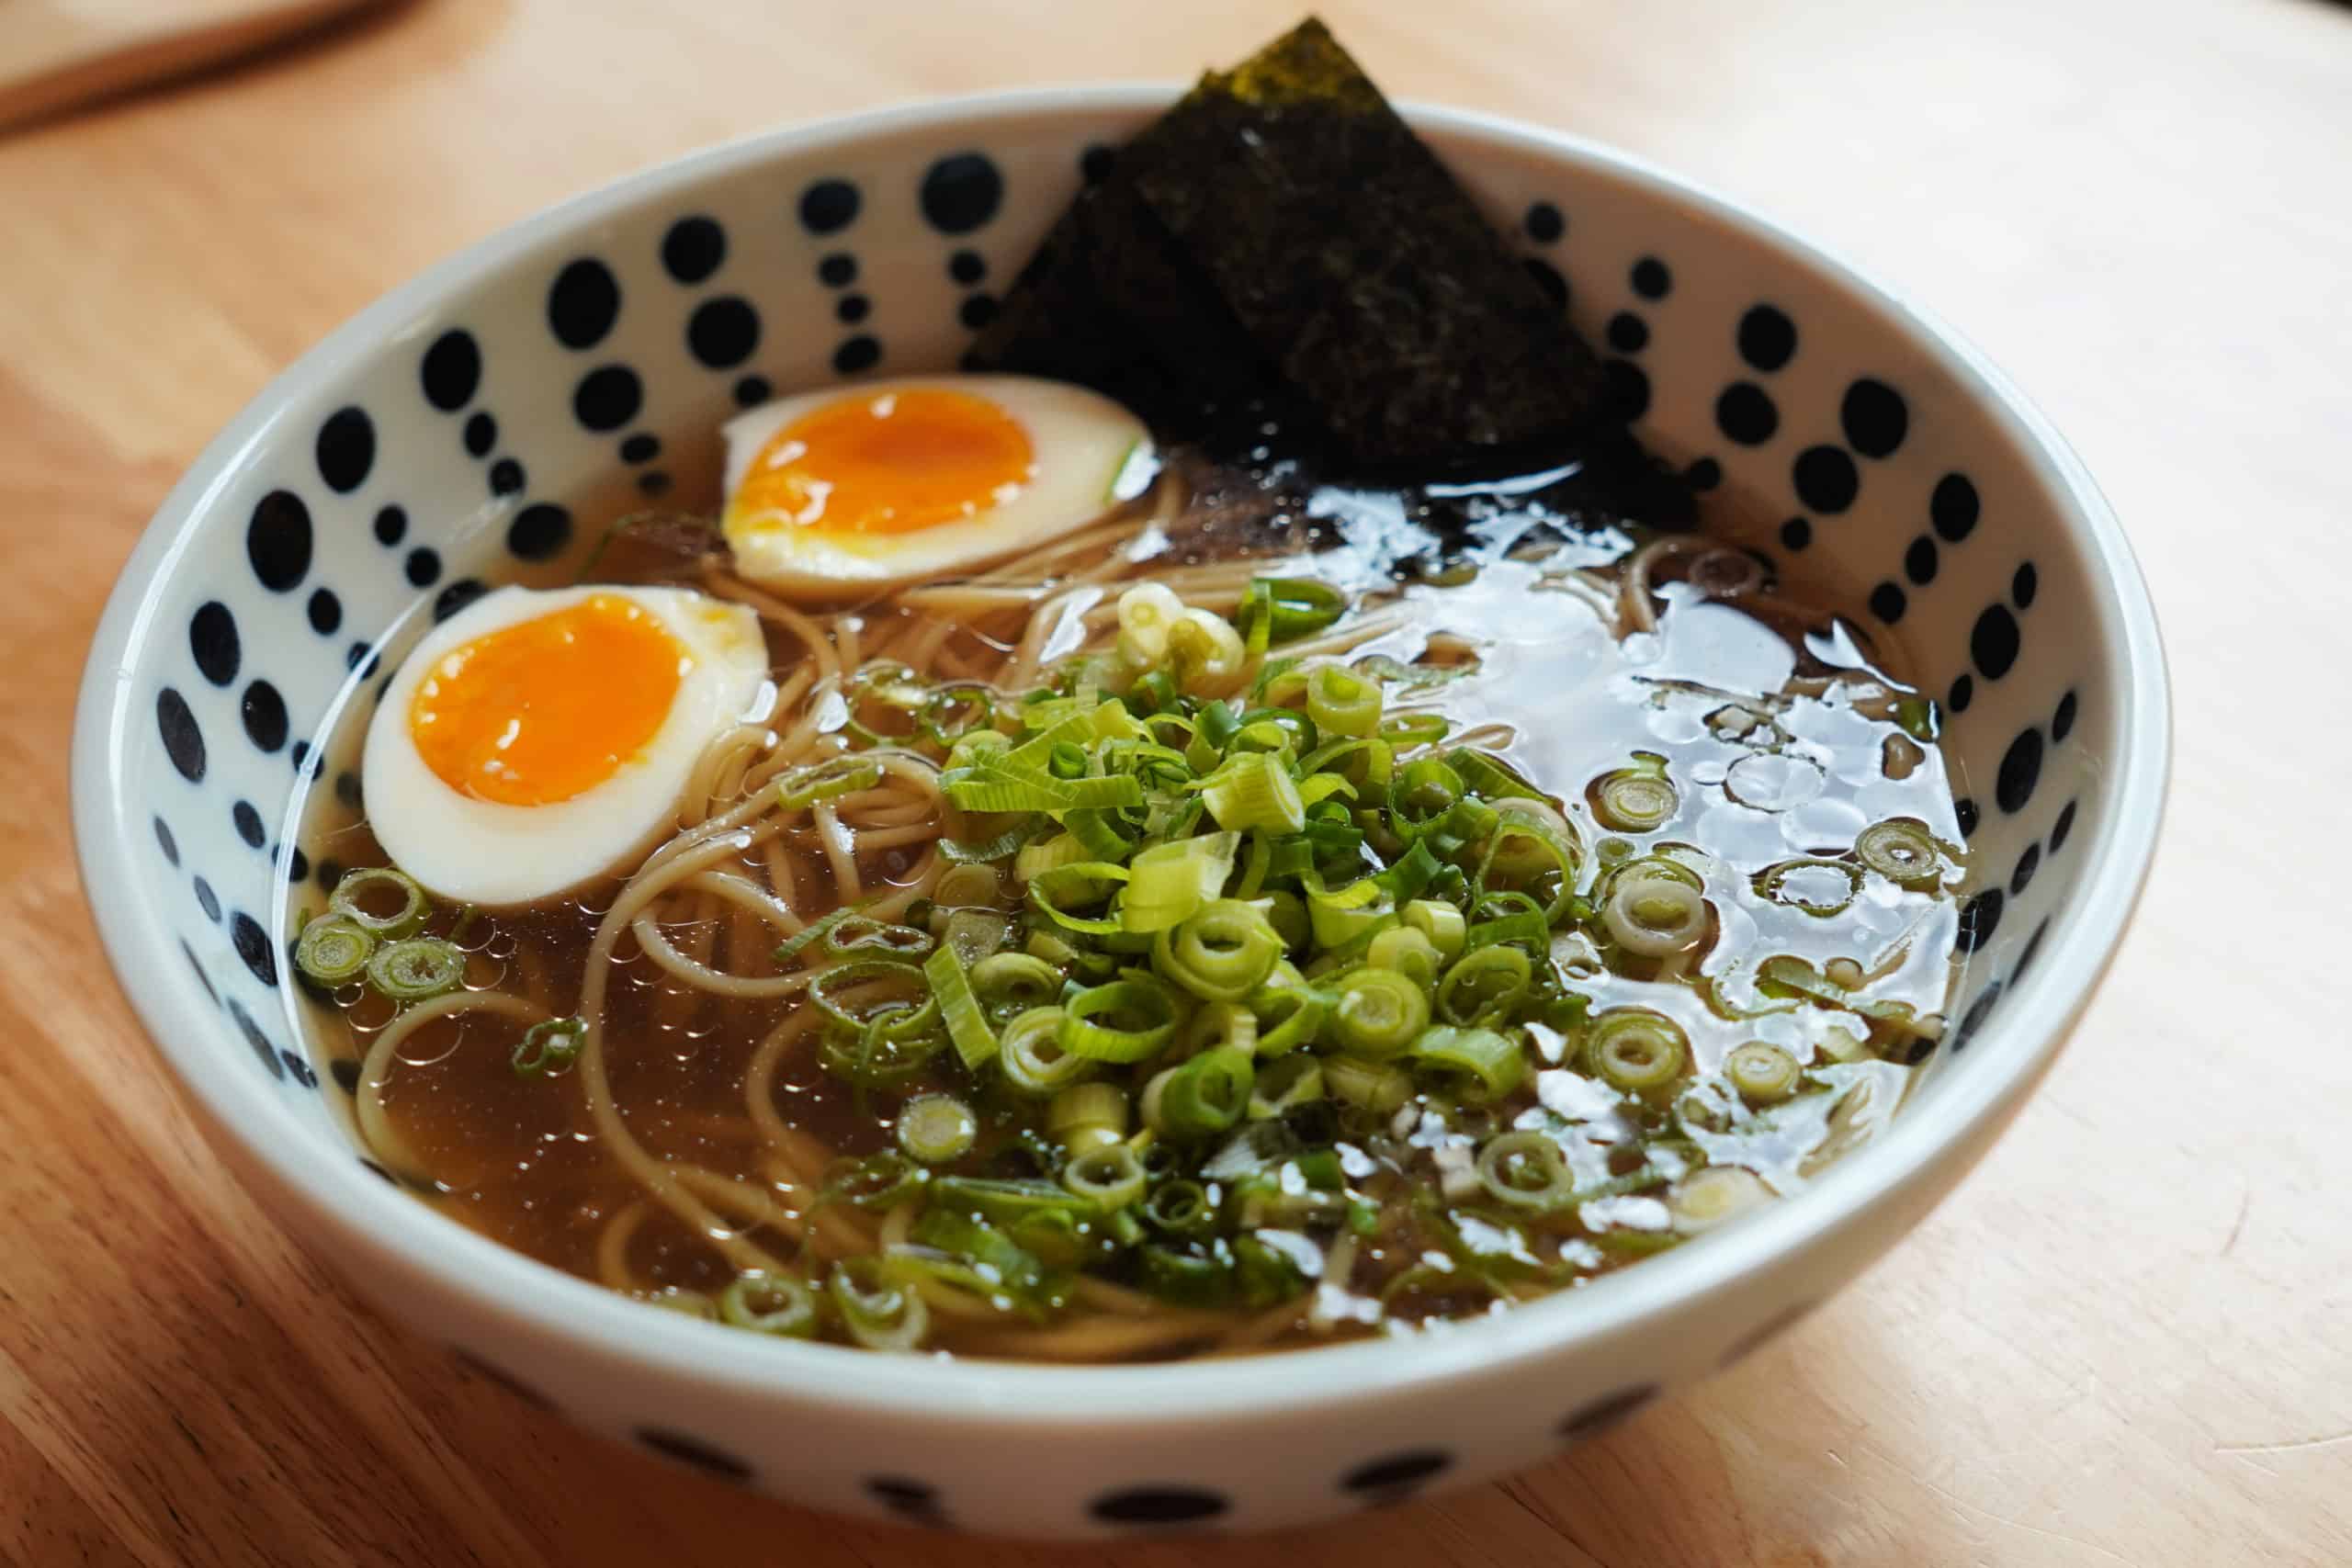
(542, 710)
(894, 462)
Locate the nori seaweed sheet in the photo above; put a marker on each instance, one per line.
(1279, 246)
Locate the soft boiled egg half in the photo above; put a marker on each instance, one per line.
(533, 740)
(848, 489)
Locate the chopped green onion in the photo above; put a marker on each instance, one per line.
(969, 851)
(1482, 1064)
(1083, 882)
(549, 1047)
(334, 949)
(769, 1303)
(805, 787)
(1483, 774)
(1340, 916)
(1254, 790)
(1042, 855)
(910, 1010)
(1654, 916)
(416, 969)
(879, 1315)
(1298, 606)
(1109, 1175)
(1146, 612)
(360, 897)
(1146, 1016)
(883, 1179)
(936, 1128)
(881, 1054)
(1343, 703)
(860, 935)
(1379, 1013)
(1408, 951)
(1526, 1170)
(1637, 799)
(1636, 1051)
(1378, 1087)
(1181, 1208)
(959, 1008)
(1016, 980)
(1408, 729)
(1763, 1073)
(970, 885)
(1207, 1095)
(1817, 888)
(1902, 850)
(1484, 984)
(1184, 1278)
(1031, 1056)
(1205, 652)
(1441, 922)
(1167, 881)
(1222, 953)
(1088, 1115)
(1705, 1199)
(1285, 1084)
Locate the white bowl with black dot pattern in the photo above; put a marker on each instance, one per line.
(475, 426)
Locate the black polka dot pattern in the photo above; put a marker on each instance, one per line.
(2063, 828)
(391, 525)
(723, 333)
(183, 742)
(1888, 601)
(1825, 479)
(202, 979)
(1978, 1011)
(212, 640)
(165, 842)
(1627, 333)
(640, 449)
(2062, 723)
(299, 1069)
(506, 476)
(346, 1073)
(1651, 280)
(1993, 642)
(1546, 223)
(653, 483)
(472, 1364)
(977, 311)
(264, 1052)
(359, 654)
(1953, 509)
(451, 371)
(277, 540)
(1980, 916)
(325, 612)
(752, 391)
(540, 532)
(1548, 278)
(1396, 1477)
(917, 1502)
(1626, 389)
(247, 822)
(1796, 533)
(2021, 771)
(264, 712)
(1963, 692)
(1875, 418)
(693, 248)
(2032, 948)
(456, 596)
(607, 397)
(298, 866)
(423, 566)
(2024, 586)
(480, 434)
(2028, 864)
(583, 303)
(253, 945)
(1919, 561)
(962, 192)
(1767, 338)
(859, 354)
(1706, 474)
(827, 207)
(1160, 1505)
(346, 449)
(1745, 413)
(966, 267)
(852, 309)
(1609, 1411)
(206, 900)
(838, 270)
(694, 1451)
(1965, 812)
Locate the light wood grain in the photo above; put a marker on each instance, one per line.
(2128, 1339)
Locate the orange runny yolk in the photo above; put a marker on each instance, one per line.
(889, 463)
(542, 710)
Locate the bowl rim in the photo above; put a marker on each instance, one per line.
(413, 1247)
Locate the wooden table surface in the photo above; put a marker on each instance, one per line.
(2128, 1338)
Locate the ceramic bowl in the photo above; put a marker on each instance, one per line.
(480, 423)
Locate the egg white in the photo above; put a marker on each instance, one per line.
(481, 851)
(1090, 455)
